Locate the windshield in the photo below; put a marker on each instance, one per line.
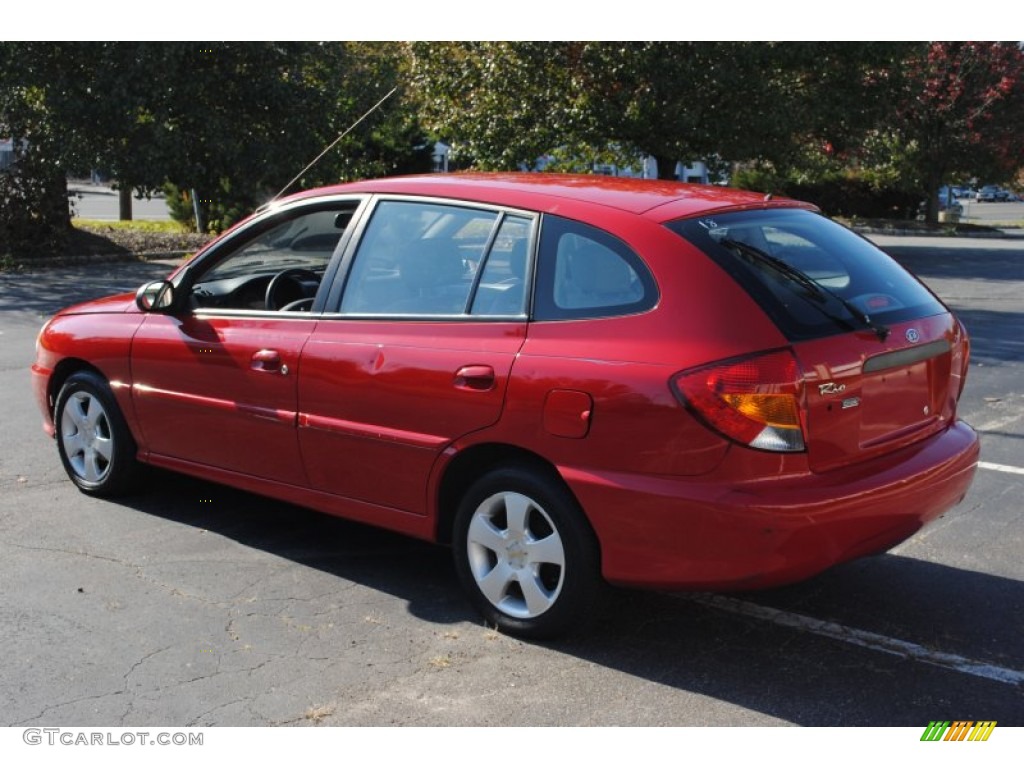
(813, 277)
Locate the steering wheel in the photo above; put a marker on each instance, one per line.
(299, 305)
(286, 289)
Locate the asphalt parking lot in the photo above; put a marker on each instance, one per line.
(195, 605)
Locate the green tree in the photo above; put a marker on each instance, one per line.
(89, 105)
(244, 118)
(232, 121)
(505, 104)
(959, 115)
(34, 218)
(500, 104)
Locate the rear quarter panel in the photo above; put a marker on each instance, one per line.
(625, 364)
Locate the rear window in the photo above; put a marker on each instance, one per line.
(812, 276)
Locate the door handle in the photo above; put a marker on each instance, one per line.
(478, 378)
(268, 361)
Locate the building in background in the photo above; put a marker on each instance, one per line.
(6, 153)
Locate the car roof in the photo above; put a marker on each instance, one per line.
(546, 192)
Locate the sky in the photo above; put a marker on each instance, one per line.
(522, 20)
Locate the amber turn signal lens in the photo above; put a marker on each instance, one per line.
(771, 410)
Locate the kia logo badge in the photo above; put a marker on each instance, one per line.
(913, 336)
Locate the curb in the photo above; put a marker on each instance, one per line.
(894, 232)
(95, 258)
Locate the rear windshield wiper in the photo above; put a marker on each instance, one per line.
(816, 290)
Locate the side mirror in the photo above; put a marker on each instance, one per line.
(155, 296)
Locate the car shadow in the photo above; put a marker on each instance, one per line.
(809, 679)
(679, 642)
(978, 262)
(44, 291)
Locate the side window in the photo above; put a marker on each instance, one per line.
(586, 272)
(501, 290)
(296, 246)
(418, 259)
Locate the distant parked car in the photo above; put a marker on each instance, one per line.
(954, 207)
(948, 197)
(990, 193)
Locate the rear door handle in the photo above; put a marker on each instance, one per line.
(478, 378)
(268, 361)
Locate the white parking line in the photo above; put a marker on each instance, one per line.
(1001, 467)
(862, 638)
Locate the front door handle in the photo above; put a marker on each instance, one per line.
(268, 361)
(478, 378)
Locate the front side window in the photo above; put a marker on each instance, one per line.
(294, 248)
(813, 277)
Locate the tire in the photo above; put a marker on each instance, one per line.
(526, 555)
(95, 446)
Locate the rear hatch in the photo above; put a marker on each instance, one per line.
(865, 398)
(881, 358)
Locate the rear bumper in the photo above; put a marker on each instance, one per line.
(716, 534)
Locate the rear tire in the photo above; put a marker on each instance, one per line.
(526, 554)
(95, 446)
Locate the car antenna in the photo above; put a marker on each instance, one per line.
(331, 146)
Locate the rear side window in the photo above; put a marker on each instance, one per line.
(501, 290)
(813, 277)
(418, 259)
(585, 272)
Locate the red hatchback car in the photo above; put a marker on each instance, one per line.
(570, 380)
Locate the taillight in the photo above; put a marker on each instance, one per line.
(961, 356)
(753, 400)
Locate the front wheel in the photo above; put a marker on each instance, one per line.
(95, 446)
(526, 554)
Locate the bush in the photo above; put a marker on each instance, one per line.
(34, 216)
(854, 198)
(216, 213)
(845, 196)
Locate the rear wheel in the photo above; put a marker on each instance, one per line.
(526, 554)
(95, 446)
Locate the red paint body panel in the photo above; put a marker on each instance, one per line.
(552, 192)
(567, 413)
(722, 532)
(362, 416)
(897, 406)
(97, 333)
(331, 504)
(199, 397)
(380, 400)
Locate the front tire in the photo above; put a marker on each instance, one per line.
(95, 446)
(526, 554)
